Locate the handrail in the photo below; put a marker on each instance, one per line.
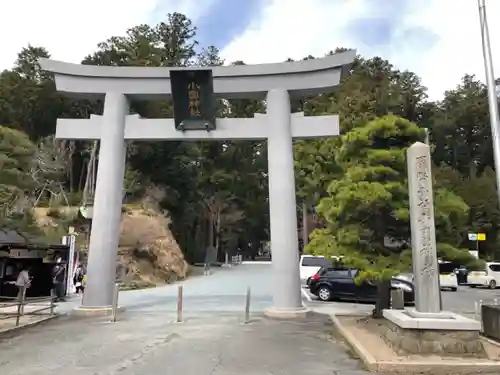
(21, 303)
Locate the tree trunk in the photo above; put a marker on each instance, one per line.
(383, 298)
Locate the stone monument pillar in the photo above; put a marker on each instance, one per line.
(423, 230)
(427, 314)
(101, 269)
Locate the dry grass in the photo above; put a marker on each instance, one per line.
(148, 253)
(148, 249)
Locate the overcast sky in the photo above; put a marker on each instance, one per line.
(437, 39)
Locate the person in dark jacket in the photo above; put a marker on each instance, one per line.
(58, 278)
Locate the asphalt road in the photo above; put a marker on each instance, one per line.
(225, 289)
(462, 301)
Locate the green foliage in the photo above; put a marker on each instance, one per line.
(366, 210)
(357, 181)
(16, 152)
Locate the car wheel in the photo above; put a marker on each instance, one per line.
(324, 293)
(453, 289)
(492, 284)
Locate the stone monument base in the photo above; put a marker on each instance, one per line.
(95, 311)
(445, 333)
(274, 313)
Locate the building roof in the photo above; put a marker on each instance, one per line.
(10, 238)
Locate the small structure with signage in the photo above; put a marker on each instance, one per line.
(17, 252)
(193, 98)
(477, 237)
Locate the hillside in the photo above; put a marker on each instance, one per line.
(148, 254)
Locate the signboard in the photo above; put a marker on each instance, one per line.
(193, 99)
(477, 236)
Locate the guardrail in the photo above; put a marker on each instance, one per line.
(19, 306)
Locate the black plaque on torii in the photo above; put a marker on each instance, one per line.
(193, 99)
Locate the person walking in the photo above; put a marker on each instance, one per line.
(58, 278)
(23, 282)
(78, 280)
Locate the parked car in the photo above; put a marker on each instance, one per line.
(447, 276)
(334, 282)
(490, 277)
(310, 265)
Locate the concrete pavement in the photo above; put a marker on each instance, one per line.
(212, 340)
(224, 290)
(205, 345)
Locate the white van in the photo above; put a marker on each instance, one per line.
(310, 265)
(490, 277)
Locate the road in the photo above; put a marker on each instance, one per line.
(212, 340)
(222, 291)
(462, 301)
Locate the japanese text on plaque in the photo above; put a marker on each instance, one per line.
(424, 217)
(194, 99)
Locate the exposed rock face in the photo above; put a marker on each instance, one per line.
(148, 251)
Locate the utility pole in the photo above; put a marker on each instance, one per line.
(492, 95)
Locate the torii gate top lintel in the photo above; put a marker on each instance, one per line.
(300, 78)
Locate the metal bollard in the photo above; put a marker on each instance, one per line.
(397, 299)
(179, 304)
(114, 307)
(247, 306)
(477, 307)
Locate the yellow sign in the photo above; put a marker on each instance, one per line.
(481, 236)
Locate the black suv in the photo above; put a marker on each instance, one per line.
(334, 282)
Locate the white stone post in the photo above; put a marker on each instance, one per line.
(101, 268)
(282, 207)
(423, 230)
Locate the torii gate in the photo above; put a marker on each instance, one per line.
(274, 83)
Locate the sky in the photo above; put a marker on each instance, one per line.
(439, 40)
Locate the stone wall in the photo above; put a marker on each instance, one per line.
(436, 342)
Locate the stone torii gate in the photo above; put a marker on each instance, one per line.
(274, 83)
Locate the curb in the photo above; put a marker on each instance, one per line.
(9, 332)
(408, 367)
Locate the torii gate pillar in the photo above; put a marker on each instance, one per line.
(282, 206)
(275, 83)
